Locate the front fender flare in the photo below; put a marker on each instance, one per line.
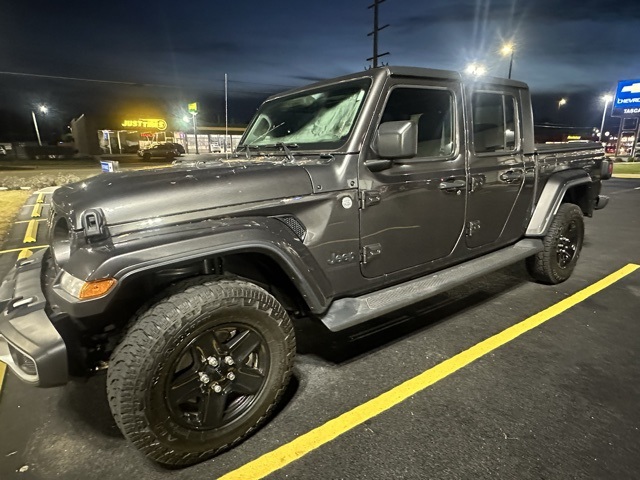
(179, 244)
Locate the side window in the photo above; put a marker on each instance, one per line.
(494, 122)
(433, 113)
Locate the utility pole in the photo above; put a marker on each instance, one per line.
(375, 31)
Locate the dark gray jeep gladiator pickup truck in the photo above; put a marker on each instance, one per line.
(345, 200)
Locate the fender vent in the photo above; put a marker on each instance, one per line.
(294, 225)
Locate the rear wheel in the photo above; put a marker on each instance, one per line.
(562, 246)
(200, 369)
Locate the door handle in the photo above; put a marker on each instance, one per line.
(453, 185)
(511, 176)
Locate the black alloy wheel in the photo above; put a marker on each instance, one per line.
(216, 377)
(562, 246)
(200, 369)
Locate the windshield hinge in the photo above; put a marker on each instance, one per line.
(369, 197)
(370, 251)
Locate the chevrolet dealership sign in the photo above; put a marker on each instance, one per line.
(627, 101)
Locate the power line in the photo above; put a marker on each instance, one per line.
(132, 84)
(93, 80)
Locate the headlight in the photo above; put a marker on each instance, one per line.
(85, 290)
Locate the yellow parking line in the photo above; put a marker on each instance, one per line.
(282, 456)
(37, 210)
(22, 248)
(40, 198)
(27, 221)
(24, 253)
(32, 232)
(3, 370)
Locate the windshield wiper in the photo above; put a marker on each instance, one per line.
(285, 148)
(247, 147)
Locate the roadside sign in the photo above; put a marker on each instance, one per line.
(627, 100)
(193, 107)
(109, 165)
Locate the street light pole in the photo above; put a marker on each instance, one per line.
(195, 131)
(35, 124)
(508, 49)
(44, 110)
(607, 99)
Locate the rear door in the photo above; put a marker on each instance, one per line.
(412, 213)
(496, 164)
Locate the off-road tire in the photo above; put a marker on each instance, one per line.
(562, 246)
(144, 364)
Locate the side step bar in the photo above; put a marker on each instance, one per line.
(348, 312)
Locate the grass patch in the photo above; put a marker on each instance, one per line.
(10, 202)
(626, 167)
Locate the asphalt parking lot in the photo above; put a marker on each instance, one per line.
(558, 401)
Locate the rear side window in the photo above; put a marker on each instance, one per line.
(432, 112)
(494, 122)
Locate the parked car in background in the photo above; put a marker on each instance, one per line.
(177, 146)
(164, 150)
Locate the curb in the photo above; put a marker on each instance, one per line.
(3, 189)
(626, 175)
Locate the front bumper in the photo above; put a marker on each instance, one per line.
(29, 342)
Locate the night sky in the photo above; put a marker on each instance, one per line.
(152, 58)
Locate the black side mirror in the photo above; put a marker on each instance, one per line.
(398, 139)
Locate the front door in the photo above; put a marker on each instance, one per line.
(413, 211)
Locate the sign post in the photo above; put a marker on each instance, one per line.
(626, 105)
(193, 110)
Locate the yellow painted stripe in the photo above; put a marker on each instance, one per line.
(40, 198)
(282, 456)
(37, 210)
(24, 253)
(11, 250)
(3, 370)
(27, 221)
(32, 232)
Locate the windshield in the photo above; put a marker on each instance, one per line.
(318, 119)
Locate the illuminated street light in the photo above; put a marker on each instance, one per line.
(476, 69)
(43, 109)
(606, 99)
(562, 102)
(186, 119)
(508, 50)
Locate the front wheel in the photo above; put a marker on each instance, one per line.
(200, 369)
(562, 246)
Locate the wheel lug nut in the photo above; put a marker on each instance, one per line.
(216, 388)
(231, 376)
(213, 361)
(228, 360)
(204, 378)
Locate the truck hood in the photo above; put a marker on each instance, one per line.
(136, 195)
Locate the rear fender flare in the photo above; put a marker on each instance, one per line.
(551, 197)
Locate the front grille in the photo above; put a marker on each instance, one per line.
(295, 225)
